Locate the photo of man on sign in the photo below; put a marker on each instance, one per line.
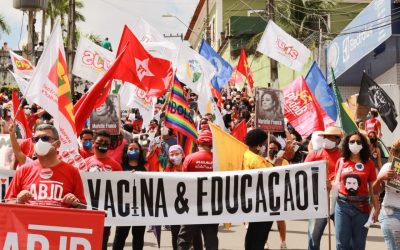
(269, 109)
(106, 116)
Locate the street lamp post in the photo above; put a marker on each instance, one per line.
(177, 18)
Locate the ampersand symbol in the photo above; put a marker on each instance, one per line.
(183, 207)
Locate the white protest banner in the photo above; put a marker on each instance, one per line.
(279, 45)
(134, 97)
(289, 192)
(91, 60)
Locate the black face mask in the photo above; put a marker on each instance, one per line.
(372, 140)
(273, 153)
(103, 148)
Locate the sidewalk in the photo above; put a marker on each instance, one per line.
(233, 239)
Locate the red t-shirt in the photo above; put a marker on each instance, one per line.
(201, 161)
(84, 153)
(116, 154)
(354, 177)
(372, 125)
(94, 164)
(32, 120)
(48, 185)
(331, 156)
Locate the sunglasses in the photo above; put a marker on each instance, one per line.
(355, 141)
(44, 138)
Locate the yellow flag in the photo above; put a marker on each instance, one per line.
(227, 150)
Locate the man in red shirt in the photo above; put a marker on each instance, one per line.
(101, 162)
(47, 181)
(201, 161)
(86, 138)
(373, 124)
(331, 153)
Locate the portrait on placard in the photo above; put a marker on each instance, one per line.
(107, 115)
(269, 109)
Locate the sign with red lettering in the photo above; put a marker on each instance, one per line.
(33, 227)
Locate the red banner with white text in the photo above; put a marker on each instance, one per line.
(31, 227)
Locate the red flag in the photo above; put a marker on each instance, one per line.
(216, 93)
(23, 130)
(302, 109)
(243, 67)
(149, 73)
(240, 131)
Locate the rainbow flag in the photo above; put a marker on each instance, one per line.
(177, 116)
(189, 145)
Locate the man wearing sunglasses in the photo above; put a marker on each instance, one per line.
(48, 181)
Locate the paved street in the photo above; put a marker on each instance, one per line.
(234, 239)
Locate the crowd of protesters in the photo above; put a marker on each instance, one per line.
(353, 159)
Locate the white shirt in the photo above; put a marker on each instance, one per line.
(392, 198)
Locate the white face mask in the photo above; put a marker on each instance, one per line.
(355, 148)
(262, 149)
(328, 144)
(177, 160)
(317, 142)
(42, 148)
(27, 111)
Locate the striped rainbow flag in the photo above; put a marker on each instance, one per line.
(177, 116)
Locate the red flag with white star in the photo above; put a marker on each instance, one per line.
(149, 73)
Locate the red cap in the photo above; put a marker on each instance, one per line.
(205, 137)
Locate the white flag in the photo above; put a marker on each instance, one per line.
(134, 97)
(218, 120)
(91, 60)
(154, 42)
(196, 72)
(50, 89)
(22, 66)
(282, 47)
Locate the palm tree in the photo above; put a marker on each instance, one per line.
(299, 18)
(59, 8)
(4, 27)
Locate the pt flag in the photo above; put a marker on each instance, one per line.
(223, 68)
(50, 88)
(372, 95)
(279, 45)
(344, 118)
(149, 73)
(22, 128)
(244, 68)
(27, 227)
(302, 110)
(221, 142)
(177, 115)
(22, 67)
(321, 90)
(240, 131)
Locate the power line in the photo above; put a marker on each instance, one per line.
(332, 9)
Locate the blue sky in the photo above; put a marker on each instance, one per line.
(107, 18)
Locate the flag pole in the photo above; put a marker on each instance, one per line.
(329, 209)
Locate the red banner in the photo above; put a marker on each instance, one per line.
(302, 110)
(31, 227)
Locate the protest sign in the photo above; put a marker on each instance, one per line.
(107, 116)
(269, 109)
(150, 198)
(27, 227)
(395, 181)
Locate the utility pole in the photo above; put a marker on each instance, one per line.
(272, 62)
(71, 42)
(208, 38)
(31, 36)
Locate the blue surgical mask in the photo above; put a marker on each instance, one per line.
(87, 144)
(133, 154)
(368, 116)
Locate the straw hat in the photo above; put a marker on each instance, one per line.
(332, 130)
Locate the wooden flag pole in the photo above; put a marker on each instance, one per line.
(329, 210)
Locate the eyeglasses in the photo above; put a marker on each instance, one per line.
(355, 141)
(44, 138)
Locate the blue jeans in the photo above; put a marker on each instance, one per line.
(390, 225)
(349, 226)
(316, 229)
